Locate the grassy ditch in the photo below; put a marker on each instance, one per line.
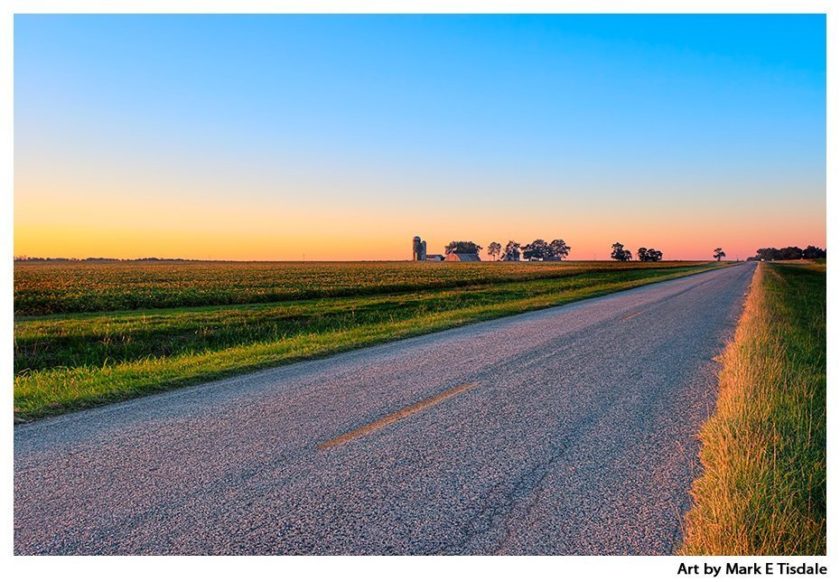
(763, 487)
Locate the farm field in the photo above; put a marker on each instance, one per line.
(57, 287)
(767, 494)
(91, 333)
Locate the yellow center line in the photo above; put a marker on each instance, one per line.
(396, 416)
(631, 316)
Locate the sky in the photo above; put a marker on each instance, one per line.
(329, 137)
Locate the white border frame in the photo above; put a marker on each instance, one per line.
(619, 568)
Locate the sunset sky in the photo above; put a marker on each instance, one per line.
(341, 137)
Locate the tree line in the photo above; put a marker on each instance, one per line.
(644, 254)
(788, 254)
(539, 250)
(557, 250)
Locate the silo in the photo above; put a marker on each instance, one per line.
(415, 248)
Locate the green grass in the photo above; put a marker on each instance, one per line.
(71, 361)
(763, 487)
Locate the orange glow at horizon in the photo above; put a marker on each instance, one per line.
(78, 211)
(194, 228)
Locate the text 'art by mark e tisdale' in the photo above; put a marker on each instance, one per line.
(754, 569)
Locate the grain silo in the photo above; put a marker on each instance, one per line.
(418, 249)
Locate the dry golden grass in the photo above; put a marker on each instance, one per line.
(762, 491)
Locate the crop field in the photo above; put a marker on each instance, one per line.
(91, 333)
(43, 288)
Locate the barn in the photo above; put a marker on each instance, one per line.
(462, 257)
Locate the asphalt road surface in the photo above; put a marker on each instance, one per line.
(570, 430)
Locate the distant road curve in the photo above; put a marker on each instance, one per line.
(569, 430)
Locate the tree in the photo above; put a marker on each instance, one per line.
(718, 254)
(460, 246)
(512, 252)
(790, 253)
(650, 255)
(537, 250)
(768, 254)
(494, 249)
(812, 252)
(559, 249)
(619, 254)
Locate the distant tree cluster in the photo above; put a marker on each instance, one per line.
(718, 254)
(462, 246)
(619, 253)
(513, 251)
(788, 254)
(539, 250)
(649, 255)
(812, 252)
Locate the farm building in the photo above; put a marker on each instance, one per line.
(462, 257)
(418, 253)
(418, 249)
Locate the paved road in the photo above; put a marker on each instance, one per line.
(564, 431)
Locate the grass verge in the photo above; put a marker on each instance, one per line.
(79, 361)
(763, 452)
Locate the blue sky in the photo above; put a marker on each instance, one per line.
(346, 135)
